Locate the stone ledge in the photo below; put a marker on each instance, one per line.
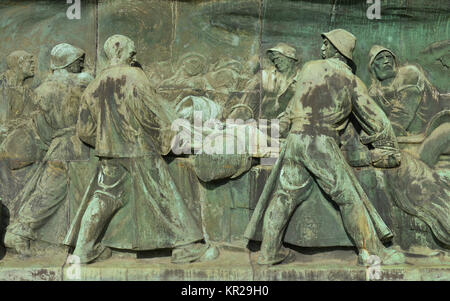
(14, 268)
(232, 265)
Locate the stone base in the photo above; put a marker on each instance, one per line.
(233, 264)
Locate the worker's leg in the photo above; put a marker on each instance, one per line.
(294, 185)
(104, 203)
(49, 194)
(324, 159)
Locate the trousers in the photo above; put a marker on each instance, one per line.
(317, 160)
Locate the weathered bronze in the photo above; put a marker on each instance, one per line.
(188, 140)
(414, 106)
(15, 101)
(46, 198)
(324, 97)
(132, 199)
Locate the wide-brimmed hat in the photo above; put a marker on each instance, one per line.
(285, 50)
(343, 40)
(62, 55)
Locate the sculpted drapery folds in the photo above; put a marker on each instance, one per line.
(17, 102)
(419, 116)
(416, 109)
(403, 92)
(15, 97)
(133, 199)
(20, 146)
(97, 179)
(51, 194)
(327, 92)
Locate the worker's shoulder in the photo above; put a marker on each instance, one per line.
(50, 86)
(121, 76)
(121, 71)
(409, 75)
(316, 65)
(327, 67)
(314, 72)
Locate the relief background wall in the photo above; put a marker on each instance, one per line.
(417, 30)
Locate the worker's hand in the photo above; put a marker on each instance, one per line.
(383, 158)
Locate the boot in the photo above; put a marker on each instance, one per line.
(385, 257)
(18, 243)
(282, 256)
(194, 252)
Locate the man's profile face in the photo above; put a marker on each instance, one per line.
(281, 62)
(27, 66)
(131, 53)
(383, 65)
(77, 66)
(327, 49)
(128, 55)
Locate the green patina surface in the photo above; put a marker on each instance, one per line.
(417, 31)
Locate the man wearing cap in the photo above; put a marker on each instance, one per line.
(277, 85)
(403, 92)
(416, 109)
(327, 92)
(132, 202)
(47, 198)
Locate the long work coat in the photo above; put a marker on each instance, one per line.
(51, 195)
(122, 117)
(327, 93)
